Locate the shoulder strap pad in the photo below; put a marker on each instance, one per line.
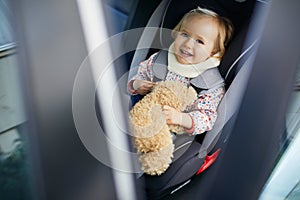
(160, 64)
(209, 79)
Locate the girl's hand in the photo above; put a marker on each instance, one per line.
(174, 117)
(142, 86)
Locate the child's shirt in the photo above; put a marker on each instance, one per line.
(203, 111)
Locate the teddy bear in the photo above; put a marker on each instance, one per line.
(151, 134)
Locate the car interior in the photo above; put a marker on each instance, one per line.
(64, 130)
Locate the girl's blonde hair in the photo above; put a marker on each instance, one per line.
(224, 24)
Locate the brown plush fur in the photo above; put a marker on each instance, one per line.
(151, 133)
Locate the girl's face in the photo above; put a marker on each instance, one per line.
(195, 41)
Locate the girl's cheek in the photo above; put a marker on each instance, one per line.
(203, 52)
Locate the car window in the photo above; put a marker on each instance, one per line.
(284, 183)
(15, 179)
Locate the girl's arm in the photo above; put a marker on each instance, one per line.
(144, 77)
(204, 110)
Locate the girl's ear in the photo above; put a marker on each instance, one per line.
(174, 34)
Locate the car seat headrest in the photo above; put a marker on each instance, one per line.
(237, 12)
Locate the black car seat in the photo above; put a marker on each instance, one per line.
(203, 151)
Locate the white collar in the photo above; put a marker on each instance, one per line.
(190, 70)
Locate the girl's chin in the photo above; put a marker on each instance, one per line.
(183, 61)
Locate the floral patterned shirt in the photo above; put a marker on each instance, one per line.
(203, 111)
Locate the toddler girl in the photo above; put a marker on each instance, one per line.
(200, 40)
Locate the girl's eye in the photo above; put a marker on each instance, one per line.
(184, 35)
(199, 41)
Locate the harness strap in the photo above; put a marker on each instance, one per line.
(159, 67)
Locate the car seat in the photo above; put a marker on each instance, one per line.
(202, 151)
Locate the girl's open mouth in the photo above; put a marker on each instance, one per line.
(185, 53)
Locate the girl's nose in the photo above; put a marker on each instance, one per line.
(189, 42)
